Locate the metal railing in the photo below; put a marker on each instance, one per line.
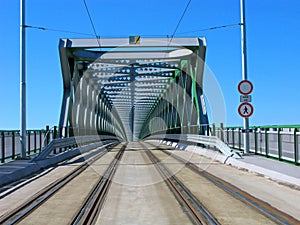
(60, 145)
(195, 139)
(37, 140)
(10, 147)
(279, 142)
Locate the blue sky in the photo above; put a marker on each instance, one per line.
(273, 34)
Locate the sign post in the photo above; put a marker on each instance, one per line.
(245, 109)
(22, 80)
(244, 70)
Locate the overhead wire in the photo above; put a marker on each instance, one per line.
(212, 28)
(148, 35)
(178, 23)
(57, 30)
(92, 23)
(170, 38)
(205, 29)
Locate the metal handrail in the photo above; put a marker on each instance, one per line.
(67, 142)
(201, 139)
(268, 141)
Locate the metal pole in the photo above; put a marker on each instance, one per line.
(23, 80)
(244, 70)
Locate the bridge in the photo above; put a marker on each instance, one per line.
(134, 145)
(121, 87)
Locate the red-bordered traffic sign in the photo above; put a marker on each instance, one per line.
(245, 110)
(245, 87)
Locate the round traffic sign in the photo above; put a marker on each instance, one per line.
(245, 87)
(245, 110)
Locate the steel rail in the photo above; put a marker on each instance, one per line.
(35, 201)
(263, 207)
(92, 206)
(197, 212)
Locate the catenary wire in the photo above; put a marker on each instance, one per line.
(212, 28)
(92, 23)
(186, 7)
(57, 30)
(146, 35)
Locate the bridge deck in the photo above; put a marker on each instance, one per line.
(139, 195)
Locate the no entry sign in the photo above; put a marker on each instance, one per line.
(245, 87)
(245, 110)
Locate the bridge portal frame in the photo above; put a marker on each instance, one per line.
(182, 112)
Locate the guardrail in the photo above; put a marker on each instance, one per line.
(70, 143)
(278, 142)
(10, 146)
(198, 139)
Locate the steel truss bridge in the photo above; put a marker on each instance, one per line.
(133, 87)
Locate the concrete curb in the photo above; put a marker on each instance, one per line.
(238, 163)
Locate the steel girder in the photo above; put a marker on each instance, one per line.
(133, 90)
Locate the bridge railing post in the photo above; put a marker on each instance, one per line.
(222, 131)
(232, 136)
(13, 143)
(35, 144)
(214, 133)
(279, 146)
(255, 140)
(54, 137)
(227, 135)
(240, 138)
(67, 134)
(214, 129)
(267, 142)
(2, 147)
(47, 135)
(40, 136)
(60, 134)
(55, 132)
(296, 149)
(207, 129)
(28, 142)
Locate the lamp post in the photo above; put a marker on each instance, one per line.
(244, 70)
(22, 80)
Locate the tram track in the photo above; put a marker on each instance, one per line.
(25, 209)
(275, 215)
(90, 196)
(91, 208)
(197, 212)
(259, 205)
